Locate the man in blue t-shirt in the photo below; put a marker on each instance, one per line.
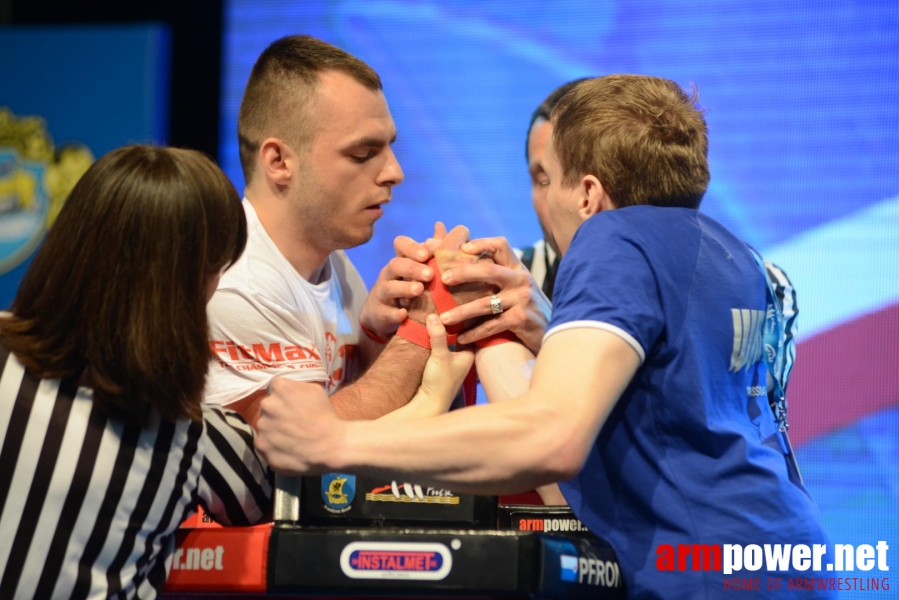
(649, 394)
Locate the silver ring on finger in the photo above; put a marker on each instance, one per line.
(496, 304)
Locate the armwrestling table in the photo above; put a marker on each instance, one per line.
(393, 545)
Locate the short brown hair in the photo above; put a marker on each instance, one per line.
(282, 82)
(117, 292)
(642, 137)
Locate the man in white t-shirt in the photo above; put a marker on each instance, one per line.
(315, 137)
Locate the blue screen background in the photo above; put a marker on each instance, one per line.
(802, 104)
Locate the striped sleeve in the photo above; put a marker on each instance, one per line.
(235, 485)
(89, 504)
(786, 294)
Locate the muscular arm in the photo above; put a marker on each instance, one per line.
(505, 372)
(389, 383)
(504, 447)
(369, 350)
(392, 377)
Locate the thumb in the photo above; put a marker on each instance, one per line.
(437, 333)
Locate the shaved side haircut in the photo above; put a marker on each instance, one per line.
(279, 93)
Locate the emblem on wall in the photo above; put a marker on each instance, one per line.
(35, 180)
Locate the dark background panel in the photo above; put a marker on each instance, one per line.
(196, 31)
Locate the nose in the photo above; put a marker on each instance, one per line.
(392, 173)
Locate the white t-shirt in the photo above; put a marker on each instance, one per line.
(266, 320)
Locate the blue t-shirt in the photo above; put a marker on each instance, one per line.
(689, 453)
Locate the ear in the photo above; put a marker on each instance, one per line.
(593, 198)
(276, 160)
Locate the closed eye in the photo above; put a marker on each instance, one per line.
(366, 148)
(361, 158)
(538, 176)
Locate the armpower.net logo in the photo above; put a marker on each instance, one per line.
(744, 562)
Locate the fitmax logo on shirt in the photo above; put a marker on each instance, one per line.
(262, 353)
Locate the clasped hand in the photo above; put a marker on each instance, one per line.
(525, 309)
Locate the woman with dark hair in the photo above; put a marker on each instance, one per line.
(106, 446)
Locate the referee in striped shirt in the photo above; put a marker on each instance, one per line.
(105, 447)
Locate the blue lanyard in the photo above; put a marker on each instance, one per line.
(774, 356)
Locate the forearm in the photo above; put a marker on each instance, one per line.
(504, 370)
(500, 448)
(369, 350)
(389, 383)
(417, 408)
(541, 437)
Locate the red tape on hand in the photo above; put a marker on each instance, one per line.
(417, 333)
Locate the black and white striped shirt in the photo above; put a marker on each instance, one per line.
(88, 506)
(543, 263)
(786, 294)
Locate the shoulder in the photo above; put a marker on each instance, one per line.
(611, 228)
(663, 234)
(621, 246)
(261, 270)
(258, 281)
(234, 306)
(259, 273)
(647, 220)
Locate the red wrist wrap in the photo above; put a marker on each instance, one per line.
(372, 335)
(444, 301)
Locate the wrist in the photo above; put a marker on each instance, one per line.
(412, 341)
(373, 335)
(420, 308)
(505, 354)
(422, 406)
(338, 449)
